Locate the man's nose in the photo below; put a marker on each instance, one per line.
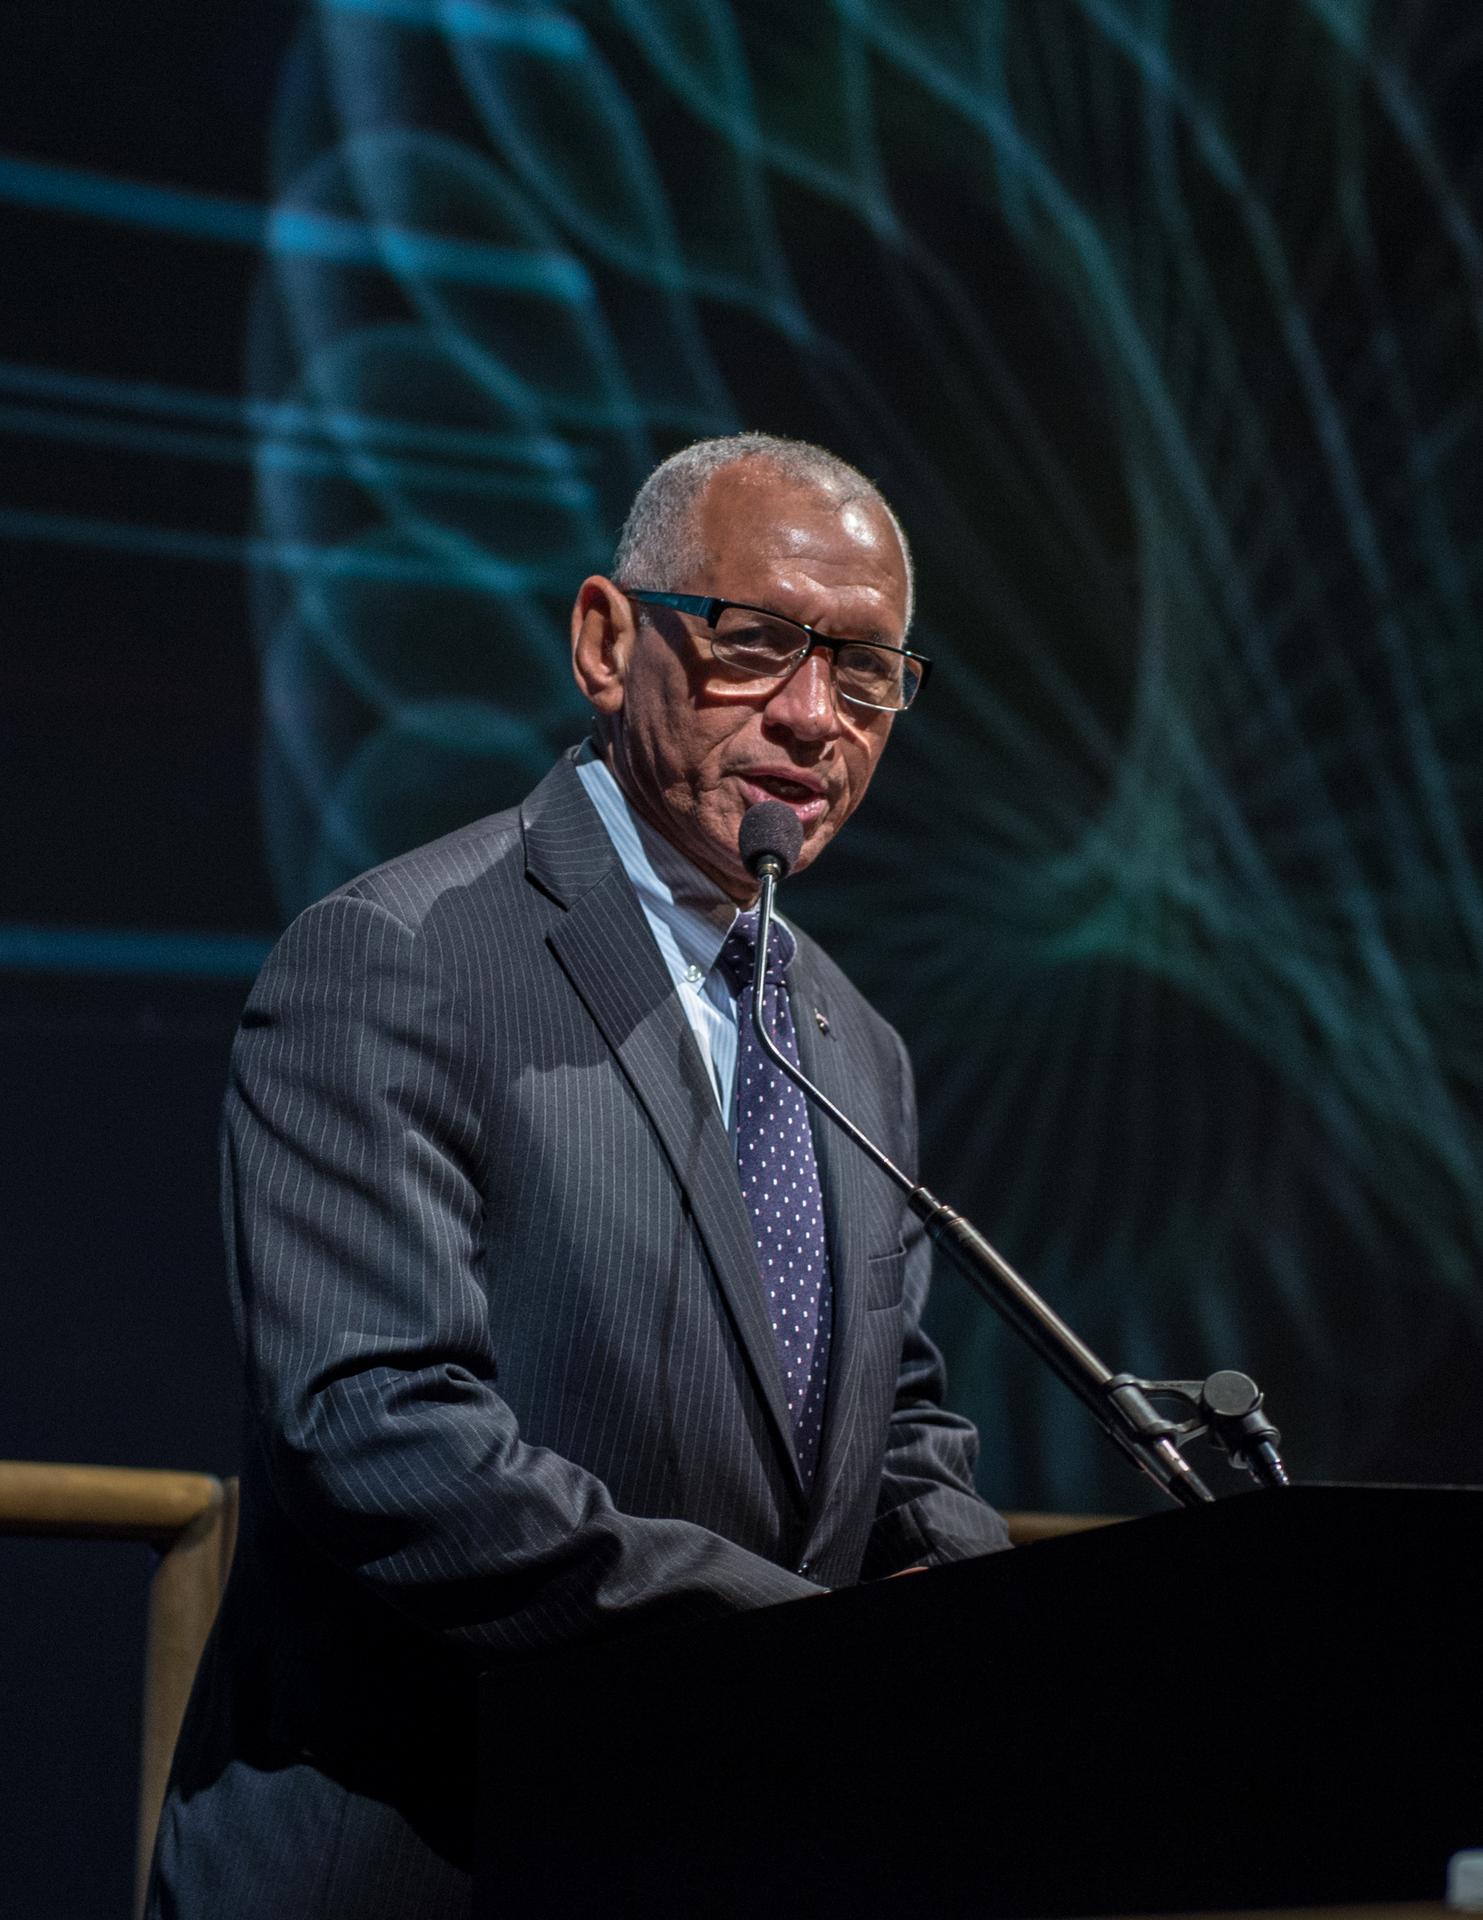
(806, 701)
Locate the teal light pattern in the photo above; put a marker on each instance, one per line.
(1161, 325)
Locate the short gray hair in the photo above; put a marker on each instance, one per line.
(660, 541)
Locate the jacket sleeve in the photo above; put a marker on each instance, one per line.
(928, 1511)
(353, 1216)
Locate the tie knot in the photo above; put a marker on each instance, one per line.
(738, 957)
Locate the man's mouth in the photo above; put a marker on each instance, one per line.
(804, 793)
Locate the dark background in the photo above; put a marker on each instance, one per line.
(334, 341)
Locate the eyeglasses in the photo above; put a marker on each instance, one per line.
(762, 647)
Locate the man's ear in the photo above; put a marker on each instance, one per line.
(603, 628)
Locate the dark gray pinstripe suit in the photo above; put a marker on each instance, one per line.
(506, 1349)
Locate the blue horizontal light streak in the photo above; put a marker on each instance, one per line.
(469, 571)
(549, 33)
(125, 950)
(292, 230)
(351, 463)
(283, 418)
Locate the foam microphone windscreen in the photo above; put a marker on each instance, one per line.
(770, 828)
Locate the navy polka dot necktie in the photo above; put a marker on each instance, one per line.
(780, 1184)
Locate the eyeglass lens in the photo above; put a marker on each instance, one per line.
(759, 646)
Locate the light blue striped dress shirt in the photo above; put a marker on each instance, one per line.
(688, 915)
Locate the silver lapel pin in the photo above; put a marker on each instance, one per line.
(822, 1020)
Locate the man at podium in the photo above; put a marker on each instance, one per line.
(559, 1316)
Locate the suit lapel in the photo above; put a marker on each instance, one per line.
(604, 945)
(823, 1060)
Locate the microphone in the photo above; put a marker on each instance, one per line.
(769, 841)
(771, 836)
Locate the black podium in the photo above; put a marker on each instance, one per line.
(1276, 1700)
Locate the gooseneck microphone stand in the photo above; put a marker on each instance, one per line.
(1227, 1406)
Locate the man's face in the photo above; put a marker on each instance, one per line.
(693, 750)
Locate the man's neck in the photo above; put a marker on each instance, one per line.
(678, 864)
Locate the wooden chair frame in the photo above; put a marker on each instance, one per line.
(191, 1521)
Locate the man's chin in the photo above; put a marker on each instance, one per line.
(718, 857)
(816, 836)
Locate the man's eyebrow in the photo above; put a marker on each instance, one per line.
(876, 635)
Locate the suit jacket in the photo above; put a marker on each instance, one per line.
(511, 1381)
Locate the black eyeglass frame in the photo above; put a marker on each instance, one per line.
(708, 607)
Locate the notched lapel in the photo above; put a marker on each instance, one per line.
(605, 947)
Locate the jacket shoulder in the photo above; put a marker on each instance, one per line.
(412, 886)
(553, 837)
(463, 893)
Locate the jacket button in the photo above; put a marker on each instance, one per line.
(803, 1568)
